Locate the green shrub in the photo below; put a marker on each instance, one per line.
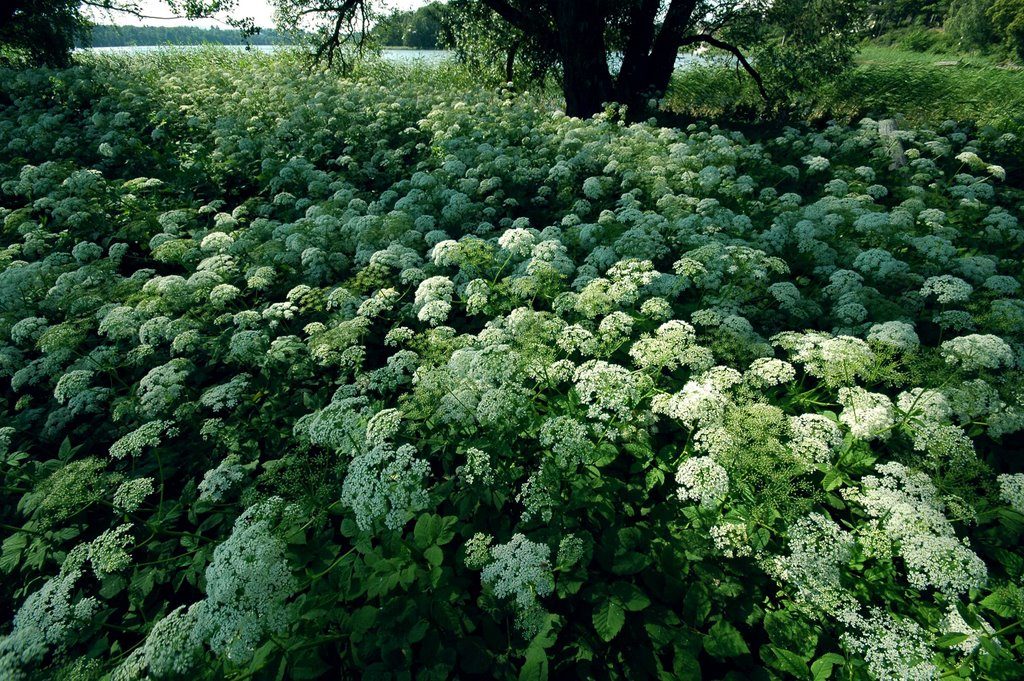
(311, 377)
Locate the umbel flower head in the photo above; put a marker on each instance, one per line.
(521, 569)
(248, 585)
(703, 480)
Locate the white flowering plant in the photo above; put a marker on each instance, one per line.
(392, 376)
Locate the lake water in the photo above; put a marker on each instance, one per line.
(400, 56)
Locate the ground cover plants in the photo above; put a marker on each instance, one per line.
(308, 376)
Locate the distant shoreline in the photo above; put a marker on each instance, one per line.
(156, 46)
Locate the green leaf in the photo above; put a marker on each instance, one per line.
(13, 546)
(309, 665)
(785, 661)
(535, 667)
(606, 454)
(428, 526)
(65, 451)
(723, 640)
(685, 666)
(434, 555)
(997, 604)
(362, 619)
(832, 480)
(417, 632)
(822, 667)
(608, 619)
(951, 640)
(697, 604)
(630, 596)
(446, 531)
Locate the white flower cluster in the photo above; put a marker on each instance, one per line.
(161, 389)
(226, 395)
(610, 391)
(701, 402)
(218, 482)
(815, 438)
(837, 361)
(819, 552)
(954, 623)
(433, 299)
(703, 480)
(766, 372)
(248, 586)
(671, 346)
(384, 483)
(977, 352)
(47, 623)
(896, 335)
(947, 289)
(731, 539)
(521, 569)
(134, 443)
(568, 441)
(868, 415)
(108, 552)
(910, 511)
(571, 550)
(383, 427)
(1011, 490)
(894, 648)
(478, 468)
(130, 495)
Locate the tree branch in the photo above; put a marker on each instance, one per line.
(125, 9)
(526, 23)
(722, 45)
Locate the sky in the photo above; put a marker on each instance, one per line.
(260, 10)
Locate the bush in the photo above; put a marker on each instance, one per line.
(312, 377)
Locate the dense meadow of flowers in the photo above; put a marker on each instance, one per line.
(383, 377)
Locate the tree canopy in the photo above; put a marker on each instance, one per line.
(40, 31)
(625, 50)
(424, 28)
(602, 50)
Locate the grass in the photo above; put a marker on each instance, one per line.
(922, 89)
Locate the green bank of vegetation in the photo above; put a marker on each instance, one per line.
(316, 366)
(425, 28)
(104, 35)
(919, 89)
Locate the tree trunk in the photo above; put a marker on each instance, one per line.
(510, 63)
(650, 57)
(666, 46)
(586, 80)
(636, 60)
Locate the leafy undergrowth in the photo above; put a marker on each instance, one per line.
(318, 377)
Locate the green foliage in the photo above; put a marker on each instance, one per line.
(885, 82)
(799, 45)
(969, 22)
(319, 377)
(890, 15)
(1008, 17)
(44, 32)
(919, 39)
(423, 28)
(495, 50)
(40, 31)
(104, 35)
